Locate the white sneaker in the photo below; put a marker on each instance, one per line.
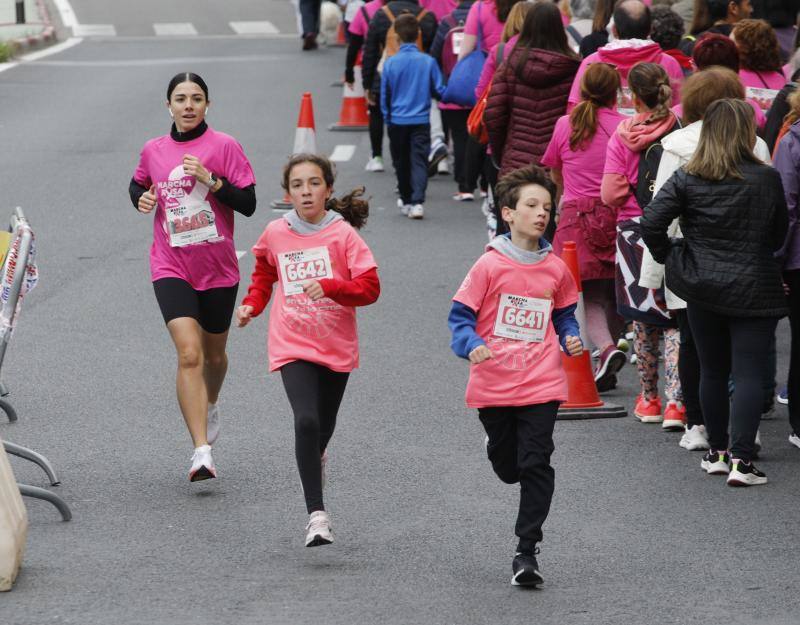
(212, 428)
(324, 465)
(443, 167)
(375, 164)
(404, 208)
(416, 212)
(794, 439)
(318, 530)
(202, 465)
(694, 438)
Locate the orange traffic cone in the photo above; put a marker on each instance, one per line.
(354, 115)
(305, 140)
(341, 38)
(584, 401)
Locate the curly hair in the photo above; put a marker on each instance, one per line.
(714, 49)
(758, 46)
(667, 27)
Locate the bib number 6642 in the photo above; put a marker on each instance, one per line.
(306, 270)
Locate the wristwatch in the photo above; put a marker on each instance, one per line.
(212, 180)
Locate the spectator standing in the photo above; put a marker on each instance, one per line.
(759, 61)
(576, 156)
(621, 189)
(667, 33)
(631, 29)
(410, 79)
(725, 269)
(309, 21)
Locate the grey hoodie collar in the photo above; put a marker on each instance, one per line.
(300, 226)
(502, 243)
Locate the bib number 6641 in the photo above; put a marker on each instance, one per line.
(533, 319)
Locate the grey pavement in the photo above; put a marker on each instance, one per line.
(424, 531)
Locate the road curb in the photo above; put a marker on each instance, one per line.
(47, 36)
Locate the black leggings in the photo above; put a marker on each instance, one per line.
(735, 345)
(314, 393)
(689, 372)
(376, 130)
(792, 279)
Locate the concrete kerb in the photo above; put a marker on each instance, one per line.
(45, 36)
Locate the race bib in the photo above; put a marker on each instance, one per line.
(764, 97)
(625, 102)
(303, 265)
(456, 41)
(522, 318)
(190, 218)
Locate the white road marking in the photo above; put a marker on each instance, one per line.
(94, 30)
(254, 28)
(68, 17)
(343, 153)
(166, 29)
(240, 253)
(7, 66)
(149, 62)
(59, 47)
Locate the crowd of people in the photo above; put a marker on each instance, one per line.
(669, 155)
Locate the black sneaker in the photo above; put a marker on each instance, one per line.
(745, 474)
(716, 462)
(437, 154)
(526, 570)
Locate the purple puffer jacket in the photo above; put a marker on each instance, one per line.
(787, 162)
(521, 112)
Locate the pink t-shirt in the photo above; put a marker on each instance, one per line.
(192, 231)
(512, 299)
(582, 169)
(491, 26)
(622, 160)
(359, 25)
(322, 332)
(760, 117)
(440, 8)
(762, 87)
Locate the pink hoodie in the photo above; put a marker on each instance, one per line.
(624, 54)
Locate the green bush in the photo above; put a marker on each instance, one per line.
(7, 49)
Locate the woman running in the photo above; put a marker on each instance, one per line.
(195, 178)
(323, 270)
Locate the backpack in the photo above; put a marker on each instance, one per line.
(649, 161)
(392, 43)
(452, 43)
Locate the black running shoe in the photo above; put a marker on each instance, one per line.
(716, 462)
(526, 570)
(745, 474)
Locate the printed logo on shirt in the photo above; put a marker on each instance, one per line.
(300, 266)
(189, 217)
(316, 320)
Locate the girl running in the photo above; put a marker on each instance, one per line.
(195, 178)
(323, 270)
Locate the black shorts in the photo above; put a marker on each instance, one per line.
(213, 308)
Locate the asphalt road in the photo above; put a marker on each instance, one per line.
(424, 531)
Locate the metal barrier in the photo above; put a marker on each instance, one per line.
(16, 279)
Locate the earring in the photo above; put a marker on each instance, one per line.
(172, 115)
(206, 111)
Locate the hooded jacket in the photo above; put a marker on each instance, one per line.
(624, 54)
(525, 103)
(787, 162)
(732, 228)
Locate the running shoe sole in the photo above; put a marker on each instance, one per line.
(528, 579)
(794, 440)
(608, 384)
(318, 541)
(673, 425)
(715, 468)
(611, 366)
(434, 163)
(203, 473)
(649, 418)
(745, 479)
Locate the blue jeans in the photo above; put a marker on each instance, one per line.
(309, 15)
(409, 146)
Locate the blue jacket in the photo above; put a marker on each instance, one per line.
(409, 80)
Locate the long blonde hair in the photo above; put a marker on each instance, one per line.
(726, 140)
(516, 17)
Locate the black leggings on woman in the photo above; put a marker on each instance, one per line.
(314, 393)
(689, 371)
(734, 345)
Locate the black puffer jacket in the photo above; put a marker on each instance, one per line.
(731, 230)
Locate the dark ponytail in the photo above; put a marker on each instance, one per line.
(599, 86)
(351, 206)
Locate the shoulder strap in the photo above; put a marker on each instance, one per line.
(498, 60)
(479, 44)
(421, 14)
(575, 34)
(388, 13)
(761, 78)
(364, 14)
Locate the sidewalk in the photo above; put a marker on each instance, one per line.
(37, 29)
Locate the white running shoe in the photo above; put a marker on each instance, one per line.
(416, 212)
(404, 208)
(375, 164)
(694, 438)
(443, 168)
(202, 465)
(318, 530)
(212, 428)
(745, 474)
(794, 439)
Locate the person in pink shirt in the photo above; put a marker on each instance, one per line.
(631, 30)
(440, 8)
(502, 49)
(760, 61)
(195, 178)
(320, 269)
(512, 310)
(491, 14)
(622, 189)
(576, 157)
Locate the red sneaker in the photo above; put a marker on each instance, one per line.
(648, 411)
(674, 417)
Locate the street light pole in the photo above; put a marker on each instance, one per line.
(20, 11)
